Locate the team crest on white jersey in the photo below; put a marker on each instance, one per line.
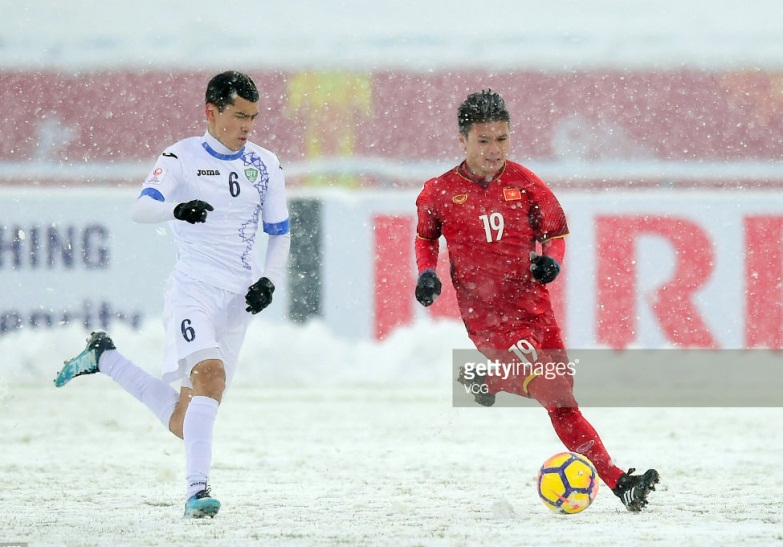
(252, 174)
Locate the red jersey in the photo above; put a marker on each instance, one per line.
(489, 233)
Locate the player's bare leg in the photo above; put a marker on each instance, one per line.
(198, 419)
(178, 417)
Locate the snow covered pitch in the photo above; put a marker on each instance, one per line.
(337, 448)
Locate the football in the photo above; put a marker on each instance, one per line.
(567, 483)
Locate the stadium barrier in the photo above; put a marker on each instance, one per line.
(649, 269)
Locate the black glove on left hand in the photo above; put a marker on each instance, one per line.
(259, 295)
(428, 288)
(544, 268)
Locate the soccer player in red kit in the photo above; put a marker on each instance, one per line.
(492, 213)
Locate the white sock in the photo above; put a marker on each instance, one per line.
(156, 394)
(197, 432)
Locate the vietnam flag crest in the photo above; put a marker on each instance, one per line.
(511, 194)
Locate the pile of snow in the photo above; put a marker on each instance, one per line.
(284, 353)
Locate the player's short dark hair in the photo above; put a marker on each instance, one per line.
(482, 107)
(224, 88)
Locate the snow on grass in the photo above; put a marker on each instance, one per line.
(333, 454)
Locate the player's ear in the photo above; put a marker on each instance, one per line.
(210, 111)
(462, 140)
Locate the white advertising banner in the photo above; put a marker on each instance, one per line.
(647, 269)
(74, 256)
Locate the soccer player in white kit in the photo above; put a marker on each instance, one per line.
(213, 191)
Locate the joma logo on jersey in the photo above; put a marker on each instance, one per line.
(207, 172)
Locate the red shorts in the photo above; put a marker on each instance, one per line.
(539, 343)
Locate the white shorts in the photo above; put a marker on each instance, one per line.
(201, 322)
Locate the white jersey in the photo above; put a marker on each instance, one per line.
(243, 187)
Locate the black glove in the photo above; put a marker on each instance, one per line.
(193, 211)
(544, 268)
(259, 295)
(427, 288)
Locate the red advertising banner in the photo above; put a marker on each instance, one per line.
(56, 125)
(673, 275)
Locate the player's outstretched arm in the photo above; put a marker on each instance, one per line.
(148, 210)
